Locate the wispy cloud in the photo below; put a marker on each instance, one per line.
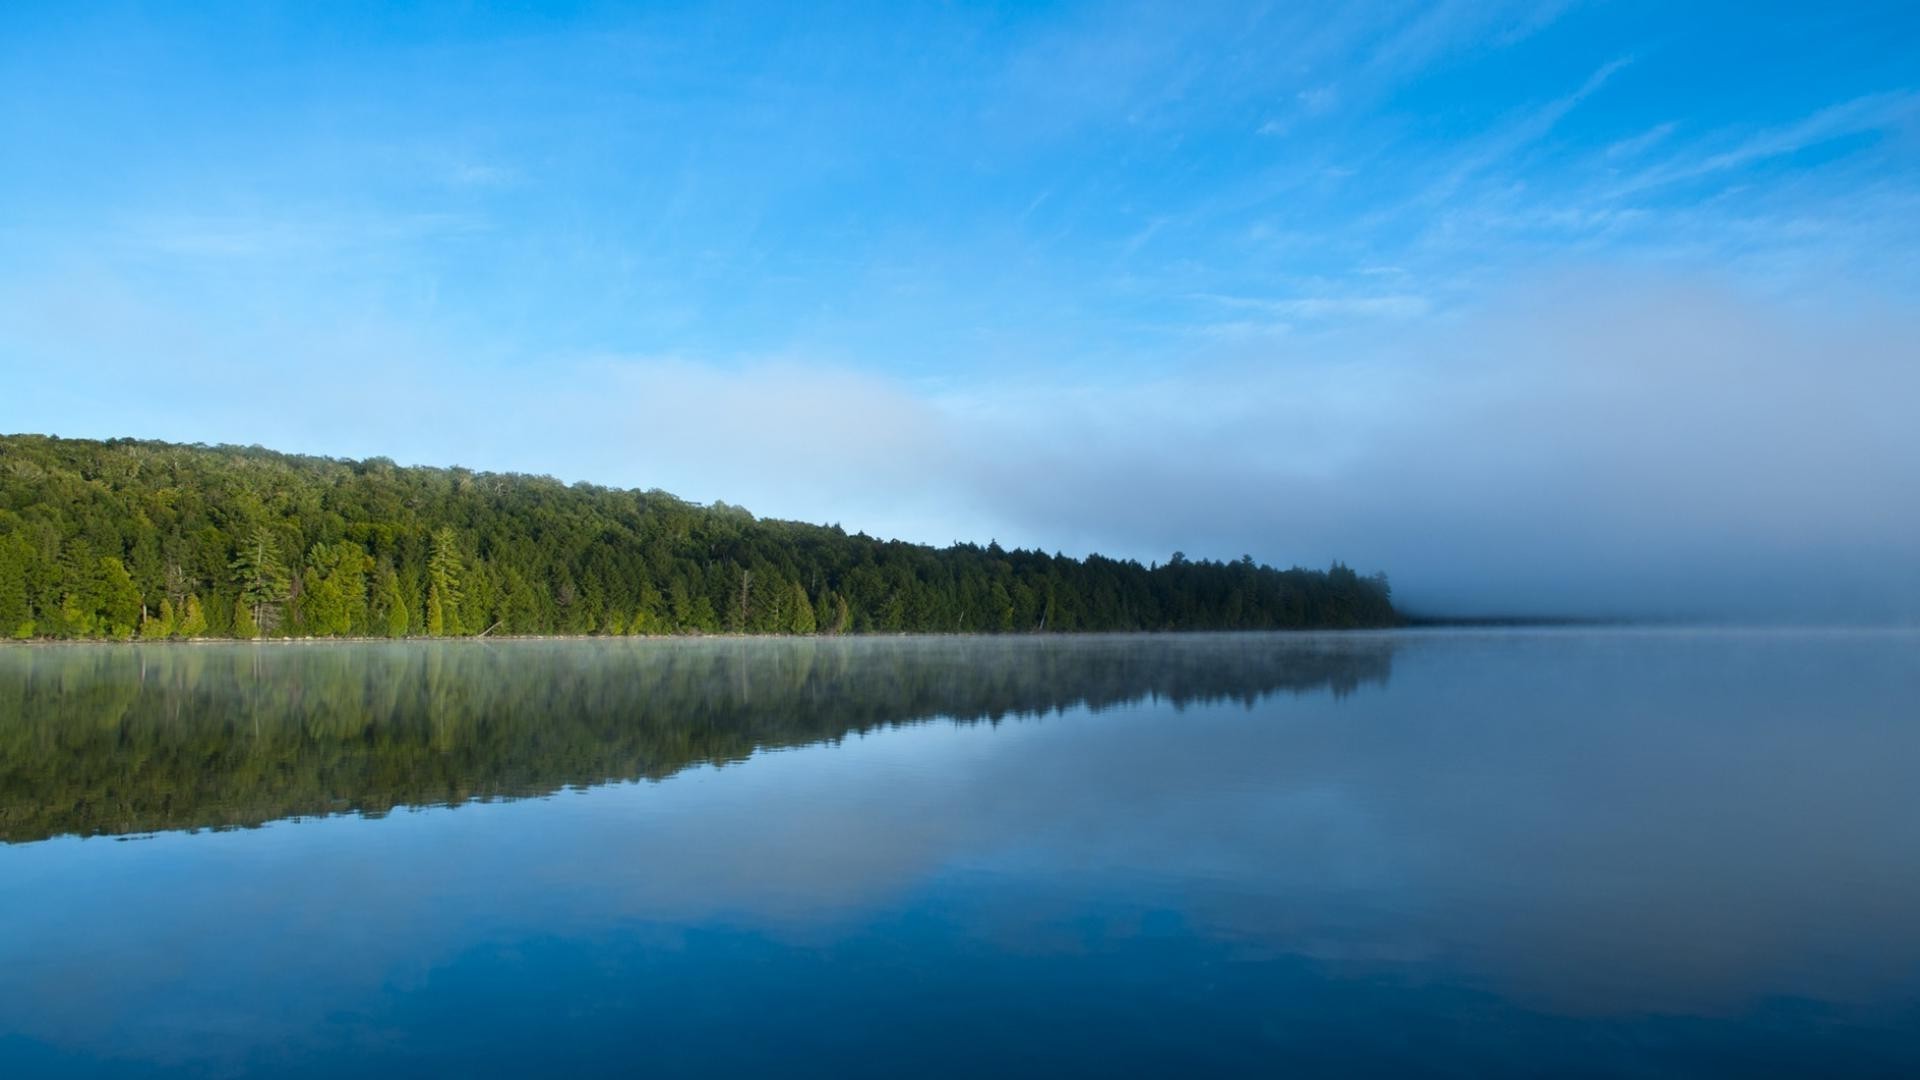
(1872, 113)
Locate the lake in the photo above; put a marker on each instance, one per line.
(1609, 852)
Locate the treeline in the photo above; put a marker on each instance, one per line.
(143, 739)
(130, 539)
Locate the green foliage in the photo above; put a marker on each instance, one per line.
(263, 580)
(193, 620)
(389, 613)
(443, 585)
(16, 612)
(243, 624)
(91, 532)
(116, 611)
(158, 627)
(799, 611)
(334, 602)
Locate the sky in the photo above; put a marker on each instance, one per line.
(1543, 308)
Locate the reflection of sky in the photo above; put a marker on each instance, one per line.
(1579, 829)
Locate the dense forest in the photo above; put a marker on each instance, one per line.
(148, 738)
(130, 539)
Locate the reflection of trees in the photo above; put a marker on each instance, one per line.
(127, 740)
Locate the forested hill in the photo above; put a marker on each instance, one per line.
(128, 538)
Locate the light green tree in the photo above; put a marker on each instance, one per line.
(243, 624)
(119, 612)
(193, 619)
(389, 614)
(158, 627)
(335, 599)
(800, 618)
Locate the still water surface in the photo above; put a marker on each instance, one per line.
(1574, 853)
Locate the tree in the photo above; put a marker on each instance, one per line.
(389, 612)
(118, 613)
(335, 600)
(263, 580)
(193, 620)
(243, 624)
(158, 627)
(443, 585)
(799, 612)
(649, 615)
(16, 613)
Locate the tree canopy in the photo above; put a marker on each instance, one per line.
(127, 538)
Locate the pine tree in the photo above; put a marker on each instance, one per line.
(119, 612)
(335, 599)
(243, 624)
(263, 580)
(16, 614)
(193, 620)
(799, 612)
(649, 617)
(443, 589)
(389, 603)
(158, 627)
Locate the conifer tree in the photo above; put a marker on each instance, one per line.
(158, 627)
(334, 602)
(118, 614)
(389, 607)
(799, 612)
(263, 580)
(443, 590)
(16, 614)
(193, 620)
(243, 624)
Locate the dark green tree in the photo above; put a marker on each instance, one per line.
(263, 580)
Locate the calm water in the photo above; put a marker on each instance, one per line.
(1642, 853)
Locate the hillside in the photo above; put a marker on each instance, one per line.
(126, 538)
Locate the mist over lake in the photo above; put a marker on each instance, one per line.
(1395, 853)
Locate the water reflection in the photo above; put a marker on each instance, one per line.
(1523, 854)
(111, 740)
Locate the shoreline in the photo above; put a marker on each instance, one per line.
(474, 638)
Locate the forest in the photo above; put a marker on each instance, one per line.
(126, 539)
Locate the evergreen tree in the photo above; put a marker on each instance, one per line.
(335, 599)
(243, 624)
(443, 577)
(649, 616)
(799, 612)
(16, 613)
(263, 580)
(389, 604)
(158, 627)
(193, 620)
(118, 611)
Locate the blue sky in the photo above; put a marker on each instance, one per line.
(1534, 306)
